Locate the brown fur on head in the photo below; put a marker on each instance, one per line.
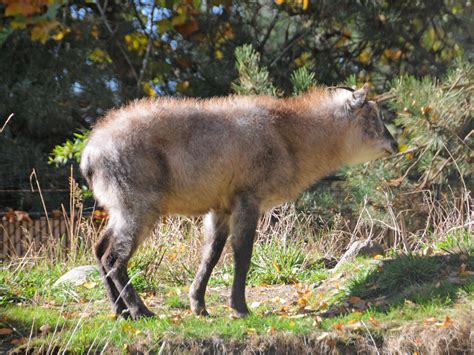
(368, 137)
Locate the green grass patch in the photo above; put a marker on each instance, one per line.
(276, 262)
(91, 329)
(395, 275)
(414, 288)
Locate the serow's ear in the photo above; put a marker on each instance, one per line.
(359, 97)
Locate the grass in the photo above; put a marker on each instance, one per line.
(366, 305)
(403, 272)
(79, 319)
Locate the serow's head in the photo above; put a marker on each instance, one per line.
(370, 138)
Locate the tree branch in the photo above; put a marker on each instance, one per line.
(112, 33)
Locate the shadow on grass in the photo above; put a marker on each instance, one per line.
(419, 279)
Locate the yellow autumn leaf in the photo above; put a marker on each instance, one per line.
(18, 25)
(39, 33)
(402, 148)
(59, 36)
(95, 32)
(42, 30)
(279, 2)
(305, 4)
(179, 19)
(21, 8)
(182, 85)
(99, 56)
(126, 327)
(89, 285)
(364, 57)
(218, 54)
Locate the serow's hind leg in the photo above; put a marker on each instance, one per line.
(100, 249)
(243, 224)
(216, 231)
(124, 243)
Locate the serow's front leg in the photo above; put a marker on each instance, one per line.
(243, 225)
(216, 231)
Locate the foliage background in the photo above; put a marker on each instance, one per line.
(64, 63)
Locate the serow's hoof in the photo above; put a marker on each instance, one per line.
(201, 312)
(142, 314)
(240, 314)
(198, 308)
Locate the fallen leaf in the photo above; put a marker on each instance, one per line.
(426, 109)
(176, 319)
(89, 285)
(338, 326)
(354, 324)
(130, 329)
(374, 321)
(354, 299)
(429, 321)
(447, 322)
(251, 331)
(271, 330)
(284, 310)
(5, 331)
(18, 341)
(323, 306)
(302, 302)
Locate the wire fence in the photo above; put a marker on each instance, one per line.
(21, 182)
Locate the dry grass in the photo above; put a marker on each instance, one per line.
(422, 339)
(171, 255)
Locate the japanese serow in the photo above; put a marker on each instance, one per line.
(227, 158)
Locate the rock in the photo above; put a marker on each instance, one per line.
(77, 276)
(361, 248)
